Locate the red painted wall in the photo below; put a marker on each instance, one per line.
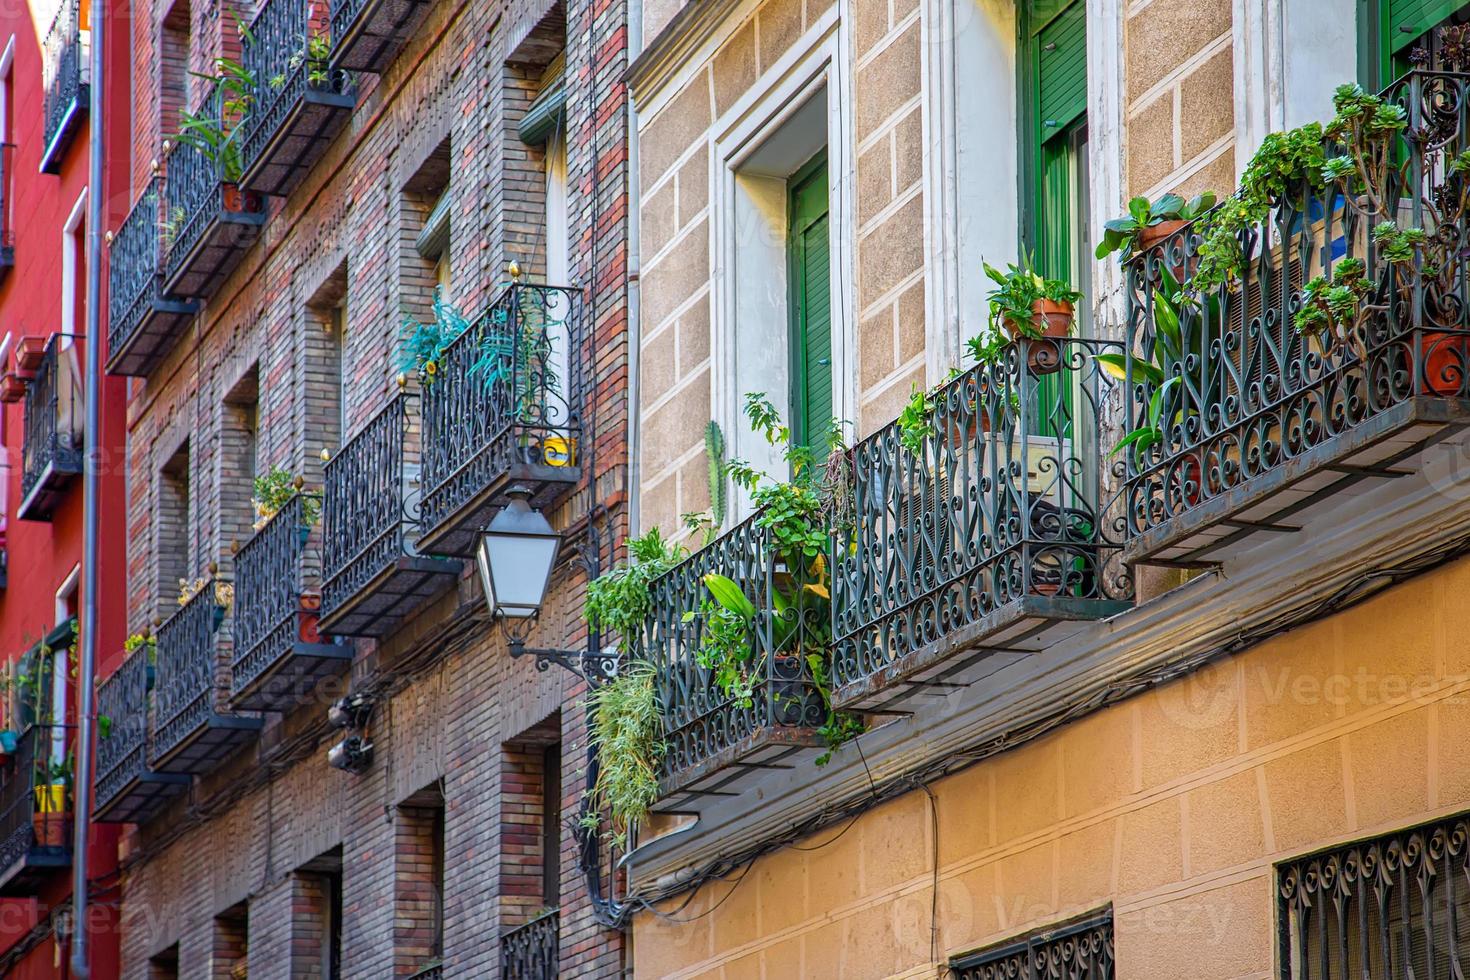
(43, 554)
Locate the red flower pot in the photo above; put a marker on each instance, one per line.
(30, 353)
(1446, 358)
(12, 389)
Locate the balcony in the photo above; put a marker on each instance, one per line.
(51, 457)
(299, 101)
(1269, 428)
(713, 740)
(369, 33)
(190, 733)
(127, 790)
(532, 951)
(35, 811)
(503, 409)
(371, 576)
(279, 659)
(66, 71)
(143, 321)
(996, 540)
(209, 223)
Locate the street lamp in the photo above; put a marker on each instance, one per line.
(516, 555)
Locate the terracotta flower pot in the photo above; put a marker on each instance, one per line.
(232, 198)
(1446, 360)
(30, 353)
(12, 389)
(1053, 321)
(306, 628)
(1153, 234)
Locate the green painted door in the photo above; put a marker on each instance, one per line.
(809, 269)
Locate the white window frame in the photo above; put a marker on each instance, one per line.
(73, 251)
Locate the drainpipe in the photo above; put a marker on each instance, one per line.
(635, 264)
(87, 669)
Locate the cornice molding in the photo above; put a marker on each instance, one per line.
(673, 48)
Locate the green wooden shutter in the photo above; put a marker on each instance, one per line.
(1061, 43)
(1409, 20)
(811, 303)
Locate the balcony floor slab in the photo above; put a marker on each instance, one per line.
(729, 772)
(376, 34)
(141, 797)
(389, 597)
(208, 745)
(219, 249)
(162, 322)
(298, 142)
(293, 677)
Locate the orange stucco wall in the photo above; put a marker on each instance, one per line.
(1173, 807)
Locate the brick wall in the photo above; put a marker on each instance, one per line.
(443, 112)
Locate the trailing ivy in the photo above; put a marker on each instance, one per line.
(628, 732)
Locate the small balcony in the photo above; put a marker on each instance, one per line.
(995, 538)
(1331, 366)
(502, 409)
(127, 790)
(368, 33)
(372, 578)
(143, 321)
(191, 732)
(532, 951)
(280, 661)
(300, 101)
(35, 811)
(713, 740)
(209, 222)
(66, 70)
(51, 457)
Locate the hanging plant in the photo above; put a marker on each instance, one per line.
(423, 344)
(627, 729)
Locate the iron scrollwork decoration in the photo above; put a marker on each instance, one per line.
(191, 186)
(185, 692)
(532, 951)
(366, 505)
(595, 665)
(282, 52)
(506, 392)
(1077, 951)
(701, 721)
(1008, 497)
(123, 698)
(269, 572)
(1254, 391)
(1387, 907)
(132, 266)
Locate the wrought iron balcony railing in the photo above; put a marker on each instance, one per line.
(1081, 950)
(368, 33)
(1000, 533)
(299, 101)
(52, 454)
(502, 407)
(35, 810)
(532, 951)
(707, 731)
(371, 576)
(208, 222)
(127, 791)
(279, 660)
(1273, 401)
(143, 322)
(191, 734)
(65, 73)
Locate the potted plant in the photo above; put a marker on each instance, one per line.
(1148, 223)
(217, 136)
(1028, 306)
(51, 816)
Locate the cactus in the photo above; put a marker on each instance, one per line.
(714, 450)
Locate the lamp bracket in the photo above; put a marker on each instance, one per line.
(594, 668)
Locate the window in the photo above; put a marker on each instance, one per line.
(240, 456)
(73, 264)
(172, 537)
(1079, 950)
(339, 334)
(1395, 906)
(165, 966)
(317, 927)
(230, 952)
(329, 404)
(419, 881)
(551, 826)
(173, 66)
(1388, 30)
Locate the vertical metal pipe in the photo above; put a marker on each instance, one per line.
(87, 669)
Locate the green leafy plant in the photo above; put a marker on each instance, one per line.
(916, 421)
(1123, 234)
(618, 600)
(273, 490)
(315, 56)
(719, 484)
(217, 137)
(423, 344)
(1015, 293)
(627, 728)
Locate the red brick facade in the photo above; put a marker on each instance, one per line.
(254, 384)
